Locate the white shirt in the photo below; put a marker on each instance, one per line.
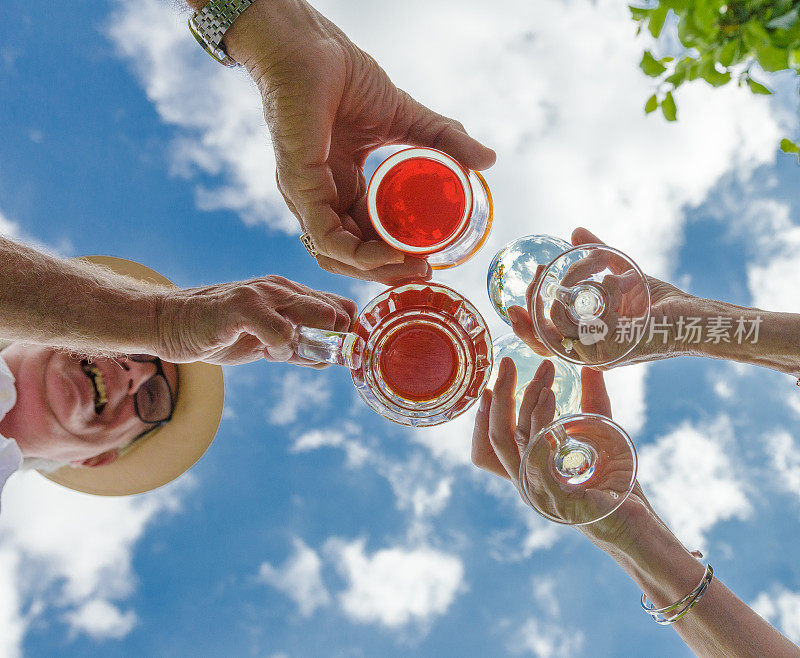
(10, 454)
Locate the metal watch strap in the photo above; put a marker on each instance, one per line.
(209, 25)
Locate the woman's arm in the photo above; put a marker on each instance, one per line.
(720, 624)
(693, 326)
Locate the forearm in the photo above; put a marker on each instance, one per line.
(74, 304)
(774, 344)
(720, 624)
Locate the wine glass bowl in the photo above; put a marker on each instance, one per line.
(566, 381)
(515, 266)
(578, 469)
(591, 305)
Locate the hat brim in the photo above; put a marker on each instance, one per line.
(171, 450)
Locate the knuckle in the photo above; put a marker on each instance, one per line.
(458, 125)
(495, 437)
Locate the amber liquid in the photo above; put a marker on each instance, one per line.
(420, 202)
(419, 362)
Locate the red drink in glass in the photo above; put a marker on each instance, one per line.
(419, 362)
(423, 202)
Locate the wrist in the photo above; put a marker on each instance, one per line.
(656, 561)
(269, 29)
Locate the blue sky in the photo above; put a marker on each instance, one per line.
(313, 527)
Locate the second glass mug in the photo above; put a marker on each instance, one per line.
(419, 354)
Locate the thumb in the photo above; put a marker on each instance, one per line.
(427, 128)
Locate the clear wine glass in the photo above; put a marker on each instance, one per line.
(591, 305)
(581, 467)
(578, 469)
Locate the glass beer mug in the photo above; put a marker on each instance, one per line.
(419, 354)
(423, 202)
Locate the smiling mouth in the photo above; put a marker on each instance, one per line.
(98, 384)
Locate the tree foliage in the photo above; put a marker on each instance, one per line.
(723, 39)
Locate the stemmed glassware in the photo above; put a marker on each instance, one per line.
(581, 467)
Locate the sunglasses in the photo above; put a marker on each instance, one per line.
(154, 402)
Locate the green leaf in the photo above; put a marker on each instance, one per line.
(755, 36)
(716, 79)
(669, 108)
(657, 19)
(794, 59)
(788, 146)
(772, 59)
(677, 78)
(758, 88)
(727, 53)
(705, 17)
(650, 65)
(651, 104)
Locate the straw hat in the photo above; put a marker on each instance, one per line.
(170, 450)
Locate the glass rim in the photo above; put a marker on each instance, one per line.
(562, 421)
(407, 154)
(537, 291)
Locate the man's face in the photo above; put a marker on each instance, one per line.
(59, 413)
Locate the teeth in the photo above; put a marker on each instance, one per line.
(95, 375)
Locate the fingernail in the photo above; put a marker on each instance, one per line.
(542, 396)
(484, 404)
(513, 314)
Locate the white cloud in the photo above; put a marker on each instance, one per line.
(299, 393)
(345, 438)
(793, 402)
(780, 607)
(300, 578)
(11, 619)
(723, 389)
(101, 620)
(546, 639)
(691, 479)
(419, 485)
(8, 228)
(75, 551)
(784, 460)
(773, 239)
(216, 113)
(397, 586)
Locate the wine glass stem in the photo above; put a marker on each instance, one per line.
(559, 293)
(584, 302)
(574, 460)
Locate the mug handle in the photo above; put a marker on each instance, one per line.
(342, 349)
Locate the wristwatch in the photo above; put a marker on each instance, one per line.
(209, 25)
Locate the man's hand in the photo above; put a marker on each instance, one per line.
(328, 104)
(234, 323)
(667, 304)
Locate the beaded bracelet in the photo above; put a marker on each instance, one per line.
(683, 606)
